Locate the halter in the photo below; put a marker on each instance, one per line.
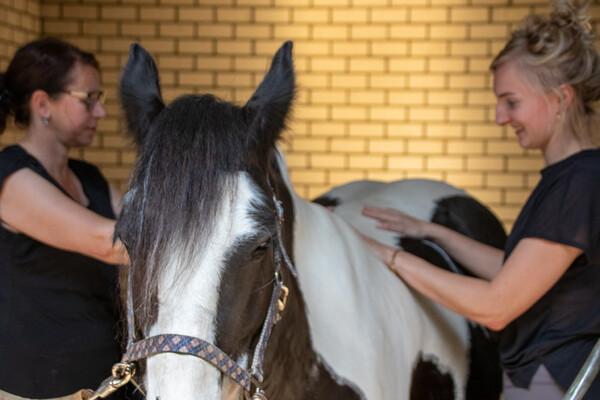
(182, 344)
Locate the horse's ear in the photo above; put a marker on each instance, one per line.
(270, 104)
(140, 92)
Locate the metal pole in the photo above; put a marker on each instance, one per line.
(586, 375)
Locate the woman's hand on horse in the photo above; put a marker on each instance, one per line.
(397, 221)
(384, 252)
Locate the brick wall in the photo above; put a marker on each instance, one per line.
(19, 23)
(389, 89)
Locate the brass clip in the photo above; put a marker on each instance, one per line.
(281, 302)
(283, 298)
(259, 395)
(121, 374)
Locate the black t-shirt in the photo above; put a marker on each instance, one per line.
(58, 309)
(560, 330)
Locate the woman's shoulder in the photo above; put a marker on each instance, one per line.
(590, 159)
(12, 159)
(583, 166)
(13, 152)
(586, 167)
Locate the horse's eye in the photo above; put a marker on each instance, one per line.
(264, 246)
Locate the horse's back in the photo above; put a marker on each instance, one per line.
(416, 197)
(365, 322)
(452, 207)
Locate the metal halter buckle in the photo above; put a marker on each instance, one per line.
(121, 374)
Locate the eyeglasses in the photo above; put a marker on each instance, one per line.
(89, 99)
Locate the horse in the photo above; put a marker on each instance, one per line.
(239, 287)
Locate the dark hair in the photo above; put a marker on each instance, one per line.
(43, 64)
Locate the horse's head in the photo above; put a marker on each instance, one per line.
(200, 222)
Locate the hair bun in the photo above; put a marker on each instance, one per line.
(573, 14)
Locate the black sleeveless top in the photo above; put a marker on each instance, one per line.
(58, 309)
(560, 330)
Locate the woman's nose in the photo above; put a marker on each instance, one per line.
(98, 111)
(502, 117)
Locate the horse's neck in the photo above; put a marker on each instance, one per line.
(354, 305)
(351, 299)
(293, 369)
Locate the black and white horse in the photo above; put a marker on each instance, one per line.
(208, 245)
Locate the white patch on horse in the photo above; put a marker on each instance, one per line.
(196, 315)
(364, 321)
(416, 197)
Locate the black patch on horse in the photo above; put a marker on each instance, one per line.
(420, 248)
(327, 201)
(469, 217)
(429, 383)
(464, 215)
(485, 378)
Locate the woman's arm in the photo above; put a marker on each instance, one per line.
(531, 270)
(480, 259)
(33, 206)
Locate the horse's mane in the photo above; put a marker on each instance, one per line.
(193, 146)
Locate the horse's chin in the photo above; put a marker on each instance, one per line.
(180, 377)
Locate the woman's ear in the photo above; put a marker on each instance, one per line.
(40, 104)
(566, 95)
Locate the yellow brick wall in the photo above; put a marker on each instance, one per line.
(389, 89)
(20, 22)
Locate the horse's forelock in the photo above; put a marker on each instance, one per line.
(177, 185)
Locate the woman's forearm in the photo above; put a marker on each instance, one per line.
(532, 269)
(476, 300)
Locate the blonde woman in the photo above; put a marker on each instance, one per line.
(542, 294)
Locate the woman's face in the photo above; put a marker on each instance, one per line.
(75, 123)
(532, 114)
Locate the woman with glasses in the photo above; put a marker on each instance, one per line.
(58, 288)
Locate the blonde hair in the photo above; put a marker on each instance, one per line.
(556, 50)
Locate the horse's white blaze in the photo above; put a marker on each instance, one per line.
(188, 306)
